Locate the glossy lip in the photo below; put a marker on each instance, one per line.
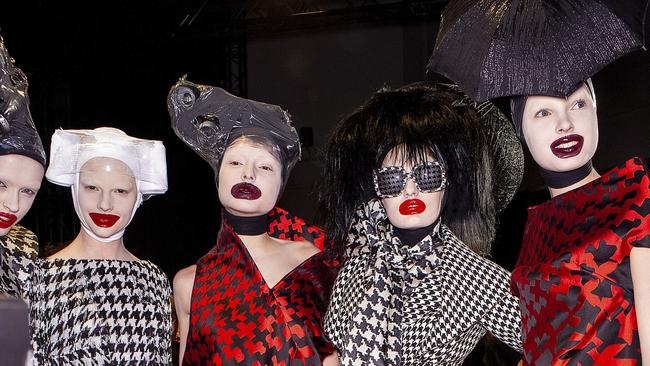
(245, 191)
(412, 207)
(103, 220)
(567, 152)
(7, 219)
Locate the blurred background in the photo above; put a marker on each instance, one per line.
(112, 63)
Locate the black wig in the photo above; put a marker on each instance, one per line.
(421, 117)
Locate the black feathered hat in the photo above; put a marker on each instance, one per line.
(17, 131)
(480, 149)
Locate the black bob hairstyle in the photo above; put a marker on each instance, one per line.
(419, 118)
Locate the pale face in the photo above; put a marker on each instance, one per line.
(561, 133)
(107, 195)
(412, 209)
(20, 180)
(250, 178)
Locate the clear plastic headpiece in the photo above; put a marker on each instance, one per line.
(71, 149)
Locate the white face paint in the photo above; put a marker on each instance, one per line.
(106, 197)
(250, 179)
(20, 180)
(561, 133)
(412, 209)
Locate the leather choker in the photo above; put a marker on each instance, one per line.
(560, 180)
(251, 225)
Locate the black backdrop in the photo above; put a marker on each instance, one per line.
(92, 64)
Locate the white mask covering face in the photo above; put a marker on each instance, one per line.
(85, 225)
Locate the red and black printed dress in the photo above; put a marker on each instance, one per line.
(573, 275)
(236, 319)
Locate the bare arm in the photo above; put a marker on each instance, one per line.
(640, 263)
(183, 284)
(331, 360)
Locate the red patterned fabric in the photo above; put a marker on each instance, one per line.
(236, 319)
(573, 274)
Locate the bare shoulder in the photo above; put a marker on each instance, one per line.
(184, 280)
(302, 249)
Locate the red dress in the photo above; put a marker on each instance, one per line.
(236, 319)
(573, 275)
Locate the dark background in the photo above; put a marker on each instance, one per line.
(94, 64)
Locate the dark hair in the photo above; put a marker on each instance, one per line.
(421, 117)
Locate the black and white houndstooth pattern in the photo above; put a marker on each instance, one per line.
(92, 312)
(444, 314)
(18, 251)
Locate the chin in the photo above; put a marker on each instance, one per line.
(105, 232)
(6, 231)
(248, 210)
(565, 165)
(102, 234)
(413, 222)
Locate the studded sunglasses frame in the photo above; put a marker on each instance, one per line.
(409, 175)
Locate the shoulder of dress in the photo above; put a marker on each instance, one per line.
(638, 160)
(155, 271)
(460, 254)
(632, 166)
(20, 239)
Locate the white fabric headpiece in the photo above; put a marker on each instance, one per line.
(71, 149)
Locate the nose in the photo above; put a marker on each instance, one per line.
(564, 124)
(411, 190)
(248, 174)
(11, 202)
(105, 202)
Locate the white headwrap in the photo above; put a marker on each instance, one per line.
(71, 149)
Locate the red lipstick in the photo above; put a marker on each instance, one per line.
(413, 206)
(103, 220)
(567, 146)
(245, 191)
(7, 219)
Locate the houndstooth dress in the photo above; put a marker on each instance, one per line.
(88, 312)
(432, 305)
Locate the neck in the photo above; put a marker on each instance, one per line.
(593, 175)
(563, 179)
(85, 246)
(414, 236)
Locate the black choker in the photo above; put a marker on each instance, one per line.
(560, 180)
(414, 236)
(252, 225)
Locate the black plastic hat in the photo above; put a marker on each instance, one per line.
(208, 118)
(17, 132)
